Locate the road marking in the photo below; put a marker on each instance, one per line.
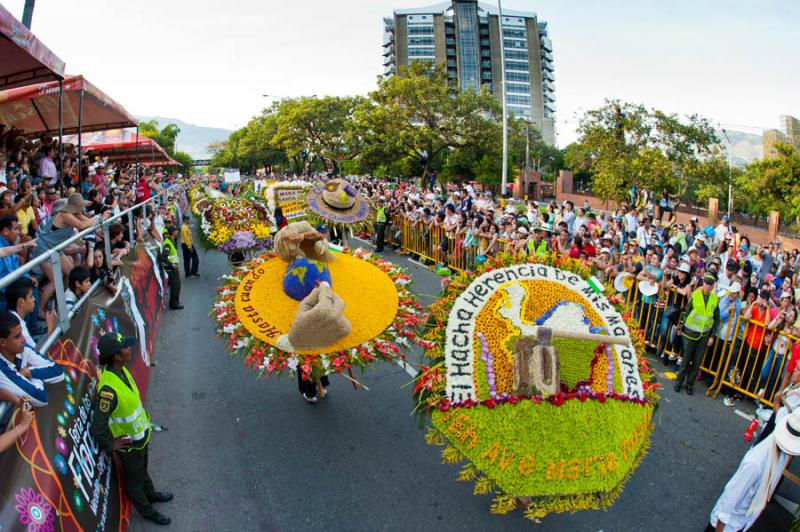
(738, 412)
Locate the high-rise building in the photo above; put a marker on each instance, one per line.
(465, 36)
(788, 134)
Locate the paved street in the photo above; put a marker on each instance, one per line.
(242, 454)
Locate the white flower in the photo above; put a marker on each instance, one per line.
(291, 363)
(241, 344)
(230, 328)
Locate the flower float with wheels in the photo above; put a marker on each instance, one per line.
(313, 309)
(538, 385)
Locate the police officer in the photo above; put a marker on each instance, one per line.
(381, 218)
(170, 261)
(120, 424)
(700, 318)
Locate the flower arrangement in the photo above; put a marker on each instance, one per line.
(268, 360)
(222, 219)
(528, 448)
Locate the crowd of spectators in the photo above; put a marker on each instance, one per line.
(641, 240)
(43, 204)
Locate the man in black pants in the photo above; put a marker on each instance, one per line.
(380, 224)
(170, 262)
(698, 323)
(308, 388)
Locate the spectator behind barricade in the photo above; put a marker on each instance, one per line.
(80, 281)
(47, 168)
(9, 256)
(96, 264)
(8, 439)
(100, 179)
(21, 302)
(65, 219)
(24, 373)
(95, 205)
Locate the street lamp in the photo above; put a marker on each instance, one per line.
(730, 173)
(503, 98)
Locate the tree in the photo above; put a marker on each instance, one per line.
(773, 184)
(622, 144)
(315, 126)
(416, 114)
(186, 160)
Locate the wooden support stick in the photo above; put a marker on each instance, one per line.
(617, 340)
(354, 382)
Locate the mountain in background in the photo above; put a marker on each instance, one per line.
(746, 147)
(192, 139)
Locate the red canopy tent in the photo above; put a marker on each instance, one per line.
(34, 109)
(121, 145)
(25, 59)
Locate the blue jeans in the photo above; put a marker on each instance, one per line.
(770, 372)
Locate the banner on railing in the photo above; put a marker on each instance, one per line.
(56, 478)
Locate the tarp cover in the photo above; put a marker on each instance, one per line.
(120, 145)
(25, 59)
(34, 108)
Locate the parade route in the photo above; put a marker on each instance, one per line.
(241, 454)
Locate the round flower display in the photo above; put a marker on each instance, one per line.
(253, 311)
(230, 224)
(538, 384)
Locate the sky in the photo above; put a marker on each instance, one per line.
(210, 63)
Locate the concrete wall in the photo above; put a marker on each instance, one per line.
(439, 39)
(401, 40)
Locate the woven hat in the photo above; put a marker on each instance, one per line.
(338, 201)
(75, 203)
(787, 434)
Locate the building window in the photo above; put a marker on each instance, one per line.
(518, 87)
(511, 43)
(422, 29)
(467, 32)
(520, 111)
(516, 65)
(519, 99)
(517, 54)
(515, 34)
(421, 51)
(518, 76)
(420, 41)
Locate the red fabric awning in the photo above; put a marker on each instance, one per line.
(120, 145)
(25, 60)
(34, 108)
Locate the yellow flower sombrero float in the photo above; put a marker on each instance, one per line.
(537, 382)
(313, 309)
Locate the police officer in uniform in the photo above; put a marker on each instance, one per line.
(170, 261)
(700, 319)
(121, 425)
(381, 218)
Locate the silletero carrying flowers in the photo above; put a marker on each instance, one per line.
(311, 309)
(538, 385)
(230, 225)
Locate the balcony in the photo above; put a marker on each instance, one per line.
(549, 76)
(485, 43)
(547, 65)
(451, 52)
(388, 60)
(388, 51)
(486, 75)
(486, 53)
(547, 44)
(547, 55)
(549, 97)
(486, 64)
(549, 86)
(389, 70)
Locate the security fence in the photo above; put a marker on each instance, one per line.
(745, 358)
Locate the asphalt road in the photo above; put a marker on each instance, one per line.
(244, 454)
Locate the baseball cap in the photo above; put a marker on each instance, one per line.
(683, 267)
(734, 288)
(110, 344)
(709, 278)
(605, 250)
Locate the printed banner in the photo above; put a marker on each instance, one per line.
(56, 478)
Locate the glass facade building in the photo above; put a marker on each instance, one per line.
(467, 37)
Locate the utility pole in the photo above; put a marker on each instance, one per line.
(503, 99)
(730, 175)
(527, 147)
(27, 14)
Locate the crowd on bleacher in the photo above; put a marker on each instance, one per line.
(44, 204)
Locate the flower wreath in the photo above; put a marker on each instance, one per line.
(229, 224)
(267, 360)
(271, 192)
(531, 450)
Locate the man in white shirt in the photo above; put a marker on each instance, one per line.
(643, 235)
(750, 488)
(721, 230)
(631, 223)
(23, 372)
(47, 168)
(580, 221)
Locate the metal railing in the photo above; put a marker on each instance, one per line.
(53, 256)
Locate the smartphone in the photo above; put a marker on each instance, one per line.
(50, 305)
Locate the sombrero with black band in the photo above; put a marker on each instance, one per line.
(339, 202)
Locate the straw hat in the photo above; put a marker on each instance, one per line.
(75, 203)
(787, 434)
(338, 201)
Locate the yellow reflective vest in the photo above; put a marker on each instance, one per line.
(129, 417)
(701, 317)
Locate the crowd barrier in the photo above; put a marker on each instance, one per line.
(745, 358)
(55, 476)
